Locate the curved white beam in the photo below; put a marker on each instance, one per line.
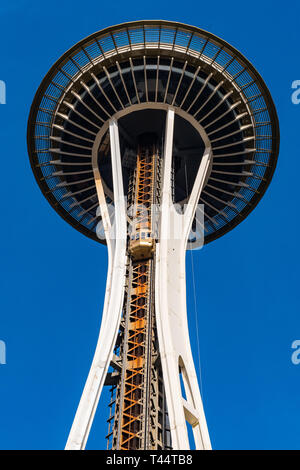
(114, 295)
(170, 307)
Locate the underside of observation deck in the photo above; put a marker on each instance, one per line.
(145, 65)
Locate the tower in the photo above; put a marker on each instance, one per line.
(130, 130)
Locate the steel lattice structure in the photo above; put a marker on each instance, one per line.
(167, 114)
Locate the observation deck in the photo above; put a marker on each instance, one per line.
(134, 72)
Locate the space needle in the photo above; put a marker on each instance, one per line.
(144, 115)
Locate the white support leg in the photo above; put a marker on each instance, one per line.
(113, 302)
(170, 307)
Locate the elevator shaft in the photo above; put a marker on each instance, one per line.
(133, 406)
(140, 417)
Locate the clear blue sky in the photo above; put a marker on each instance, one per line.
(53, 278)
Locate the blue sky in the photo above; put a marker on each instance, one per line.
(53, 278)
